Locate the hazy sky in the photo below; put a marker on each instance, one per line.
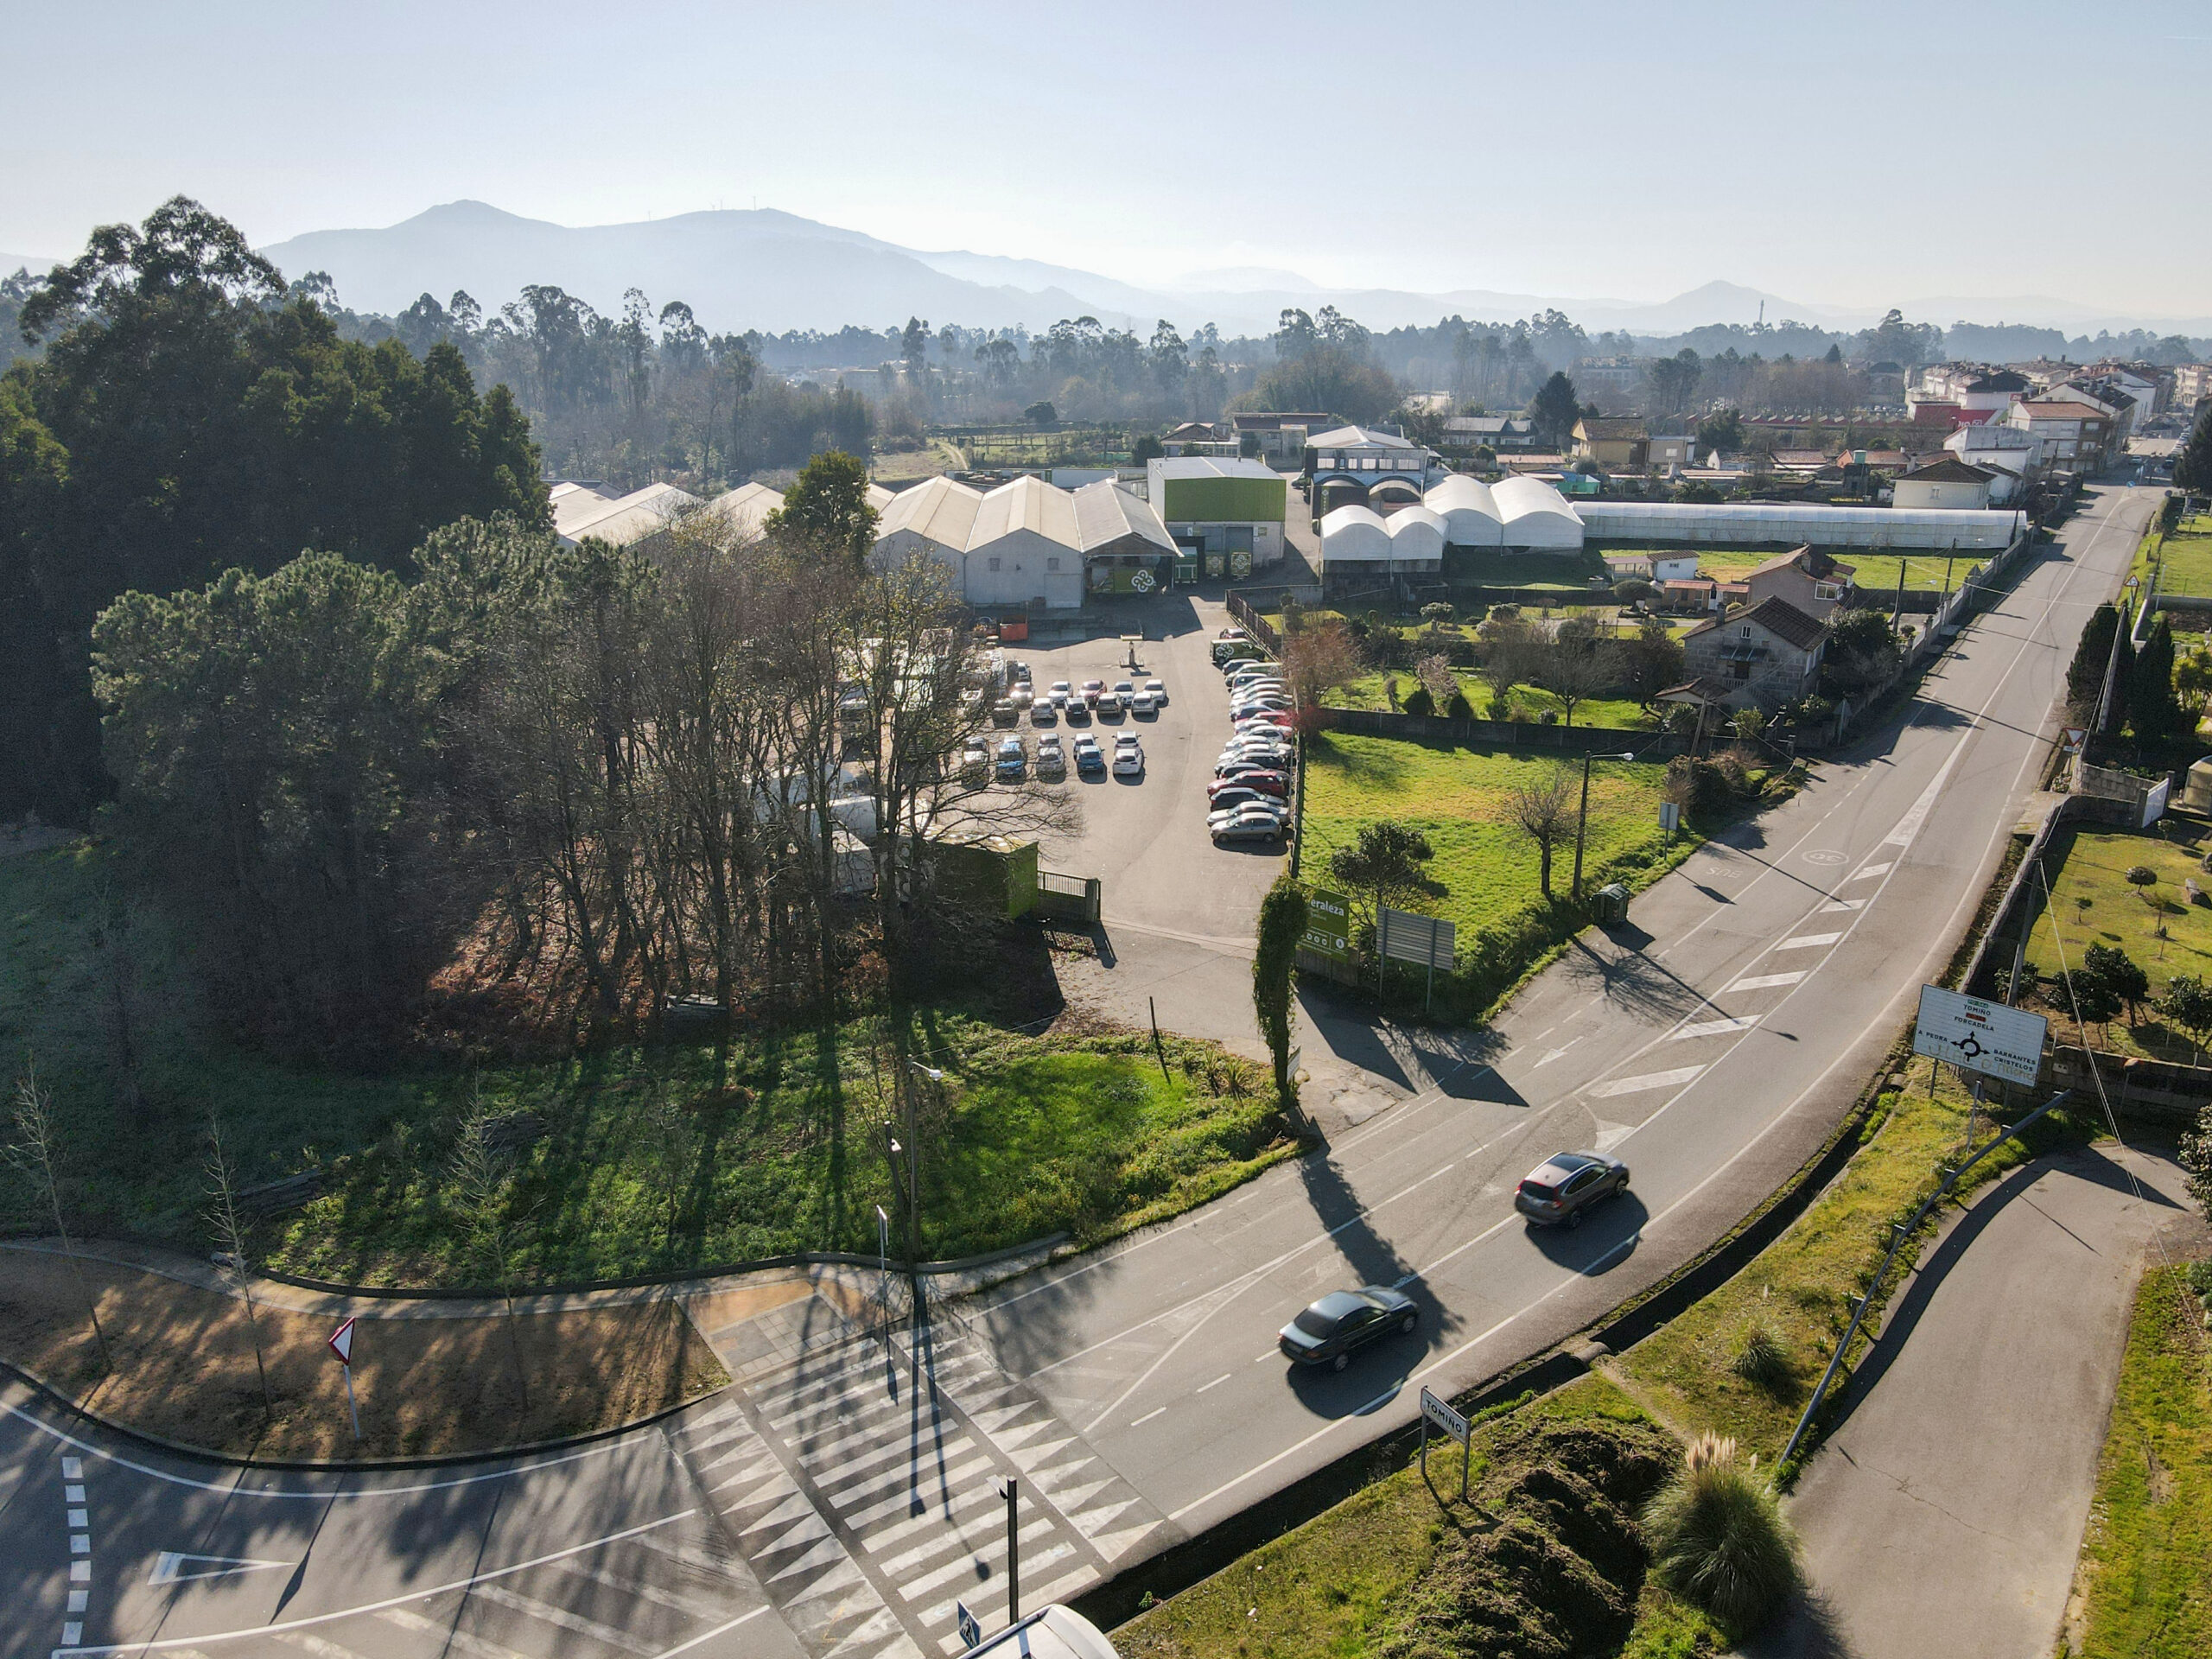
(1845, 153)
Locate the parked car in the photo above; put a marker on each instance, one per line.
(1257, 745)
(1266, 720)
(1249, 826)
(1109, 705)
(1232, 632)
(1090, 690)
(1021, 695)
(1237, 815)
(1140, 702)
(1014, 760)
(1004, 713)
(1059, 692)
(1088, 757)
(1157, 692)
(1128, 761)
(1560, 1191)
(975, 764)
(1078, 712)
(1263, 779)
(1335, 1328)
(1124, 689)
(1051, 760)
(1042, 712)
(1227, 795)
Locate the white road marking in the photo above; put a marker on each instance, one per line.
(1806, 941)
(1156, 1411)
(1648, 1080)
(1762, 982)
(187, 1643)
(546, 1612)
(172, 1566)
(72, 1494)
(80, 1517)
(1866, 870)
(708, 1635)
(1611, 1134)
(1715, 1028)
(1216, 1384)
(1553, 1055)
(1835, 905)
(72, 1468)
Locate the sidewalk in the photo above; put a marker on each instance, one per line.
(1945, 1513)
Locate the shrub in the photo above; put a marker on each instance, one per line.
(1762, 1360)
(1718, 1538)
(1460, 708)
(1418, 701)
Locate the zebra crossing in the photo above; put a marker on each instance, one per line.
(862, 1485)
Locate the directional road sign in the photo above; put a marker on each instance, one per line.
(1981, 1035)
(342, 1343)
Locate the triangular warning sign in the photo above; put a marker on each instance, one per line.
(342, 1343)
(173, 1567)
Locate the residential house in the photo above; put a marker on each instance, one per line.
(1280, 436)
(1198, 438)
(1669, 450)
(1948, 482)
(2012, 455)
(1651, 566)
(1360, 465)
(1766, 654)
(1499, 434)
(1617, 444)
(1807, 579)
(2192, 384)
(2077, 436)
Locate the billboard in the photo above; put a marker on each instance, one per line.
(1980, 1035)
(1328, 925)
(1424, 940)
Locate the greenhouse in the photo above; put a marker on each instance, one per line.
(1750, 525)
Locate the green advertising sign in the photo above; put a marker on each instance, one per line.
(1328, 925)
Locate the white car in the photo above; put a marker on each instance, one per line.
(1157, 692)
(1140, 702)
(1022, 695)
(1049, 757)
(1059, 693)
(1259, 754)
(1128, 761)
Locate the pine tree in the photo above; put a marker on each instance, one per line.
(2193, 466)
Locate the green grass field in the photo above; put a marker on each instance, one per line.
(643, 1163)
(2092, 904)
(2146, 1559)
(1485, 869)
(1529, 703)
(897, 465)
(2187, 557)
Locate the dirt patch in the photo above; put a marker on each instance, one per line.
(1554, 1567)
(184, 1368)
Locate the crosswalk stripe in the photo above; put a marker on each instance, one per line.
(1806, 941)
(1716, 1027)
(1650, 1080)
(643, 1591)
(451, 1636)
(821, 1555)
(1762, 982)
(547, 1613)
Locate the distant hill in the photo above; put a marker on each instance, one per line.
(38, 265)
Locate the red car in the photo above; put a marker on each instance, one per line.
(1268, 783)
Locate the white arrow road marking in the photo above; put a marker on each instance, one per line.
(1806, 941)
(171, 1566)
(1552, 1055)
(1762, 981)
(1611, 1134)
(1648, 1080)
(1715, 1028)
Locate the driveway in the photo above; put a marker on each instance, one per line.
(1945, 1514)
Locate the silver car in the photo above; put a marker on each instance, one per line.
(1560, 1191)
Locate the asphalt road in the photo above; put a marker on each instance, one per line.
(837, 1508)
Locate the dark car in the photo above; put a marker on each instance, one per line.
(1334, 1328)
(1560, 1191)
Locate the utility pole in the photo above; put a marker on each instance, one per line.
(1010, 1491)
(1582, 818)
(914, 1167)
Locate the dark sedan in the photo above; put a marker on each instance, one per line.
(1560, 1191)
(1344, 1321)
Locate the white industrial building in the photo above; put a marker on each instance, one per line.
(1789, 525)
(1535, 515)
(1027, 544)
(1358, 542)
(580, 511)
(1469, 511)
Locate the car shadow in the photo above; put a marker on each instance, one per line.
(1608, 1238)
(1376, 1375)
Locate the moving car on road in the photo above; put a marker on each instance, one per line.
(1344, 1321)
(1560, 1191)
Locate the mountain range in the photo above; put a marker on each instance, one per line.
(763, 269)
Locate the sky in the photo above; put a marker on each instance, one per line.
(1844, 154)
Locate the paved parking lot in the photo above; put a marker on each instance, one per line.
(1146, 838)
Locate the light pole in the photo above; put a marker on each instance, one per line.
(1582, 818)
(914, 1172)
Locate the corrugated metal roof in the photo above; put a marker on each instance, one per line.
(1028, 503)
(940, 509)
(637, 515)
(1104, 513)
(1210, 466)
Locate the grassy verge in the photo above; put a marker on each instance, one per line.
(2092, 903)
(2187, 558)
(626, 1161)
(1529, 703)
(184, 1367)
(1402, 1567)
(1797, 1293)
(2146, 1586)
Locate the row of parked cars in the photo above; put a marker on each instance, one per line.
(1076, 703)
(1011, 761)
(1248, 797)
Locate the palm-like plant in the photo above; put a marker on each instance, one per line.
(1718, 1538)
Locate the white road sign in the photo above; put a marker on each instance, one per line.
(1980, 1035)
(342, 1343)
(1441, 1416)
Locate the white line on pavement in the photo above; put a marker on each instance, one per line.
(176, 1642)
(1157, 1411)
(1865, 870)
(1715, 1028)
(1762, 982)
(1806, 941)
(1648, 1080)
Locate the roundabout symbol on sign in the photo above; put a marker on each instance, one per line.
(1141, 582)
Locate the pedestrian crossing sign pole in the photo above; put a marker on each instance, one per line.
(971, 1629)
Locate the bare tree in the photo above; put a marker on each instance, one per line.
(1318, 659)
(231, 1244)
(1512, 651)
(1575, 673)
(36, 1151)
(1543, 808)
(1436, 676)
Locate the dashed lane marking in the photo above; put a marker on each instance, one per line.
(1806, 941)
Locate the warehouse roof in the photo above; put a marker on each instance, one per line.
(939, 510)
(1105, 513)
(632, 517)
(1025, 503)
(1171, 466)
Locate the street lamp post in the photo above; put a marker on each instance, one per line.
(1582, 818)
(915, 1171)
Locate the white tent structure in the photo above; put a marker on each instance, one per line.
(935, 518)
(1785, 524)
(1470, 512)
(629, 519)
(1025, 545)
(1535, 515)
(1354, 535)
(1416, 539)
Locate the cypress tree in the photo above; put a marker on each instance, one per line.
(2085, 677)
(1275, 963)
(2153, 711)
